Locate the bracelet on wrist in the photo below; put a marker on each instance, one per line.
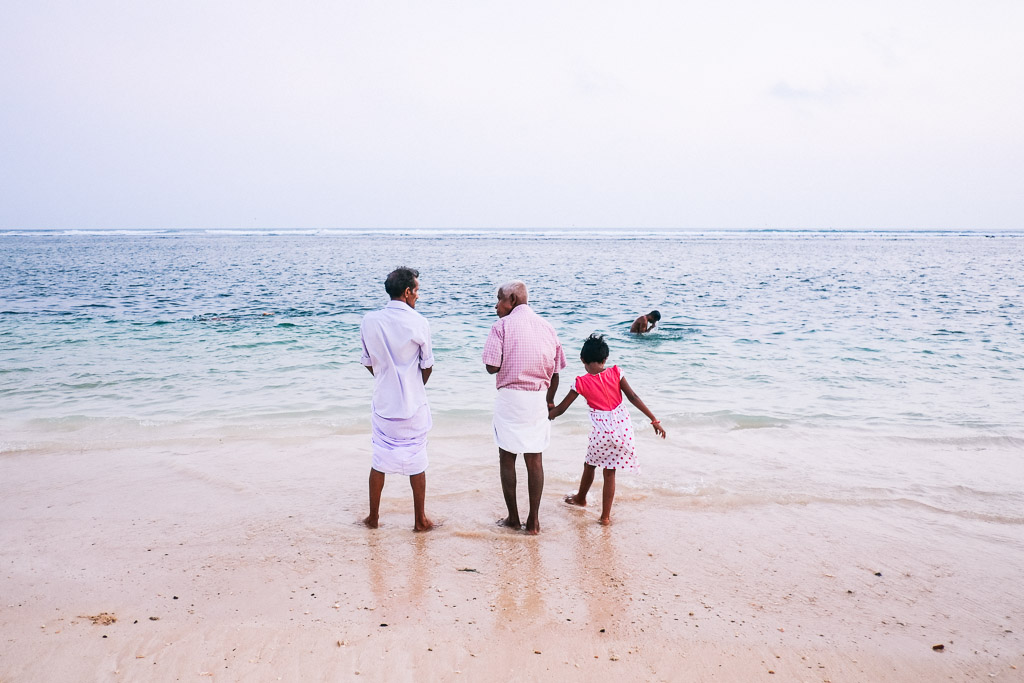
(655, 422)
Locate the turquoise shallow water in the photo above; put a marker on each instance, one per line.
(758, 329)
(789, 367)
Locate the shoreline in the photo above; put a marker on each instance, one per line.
(272, 570)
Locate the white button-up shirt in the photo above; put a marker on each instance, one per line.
(396, 344)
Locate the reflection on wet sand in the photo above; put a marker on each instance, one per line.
(604, 586)
(519, 590)
(399, 567)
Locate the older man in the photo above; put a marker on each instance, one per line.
(523, 353)
(397, 352)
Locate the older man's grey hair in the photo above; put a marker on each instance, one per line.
(517, 287)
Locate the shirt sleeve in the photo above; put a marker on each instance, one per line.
(365, 358)
(426, 348)
(492, 347)
(559, 356)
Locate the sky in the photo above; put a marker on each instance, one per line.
(790, 114)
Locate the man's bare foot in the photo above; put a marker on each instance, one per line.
(533, 528)
(574, 499)
(370, 522)
(605, 521)
(510, 523)
(425, 525)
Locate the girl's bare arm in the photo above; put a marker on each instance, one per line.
(561, 407)
(635, 400)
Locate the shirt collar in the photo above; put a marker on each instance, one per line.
(395, 303)
(523, 306)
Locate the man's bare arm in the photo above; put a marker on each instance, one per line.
(552, 388)
(370, 368)
(425, 373)
(493, 369)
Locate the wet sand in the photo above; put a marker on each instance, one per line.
(245, 560)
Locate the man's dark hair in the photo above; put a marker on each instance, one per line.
(595, 350)
(399, 280)
(654, 315)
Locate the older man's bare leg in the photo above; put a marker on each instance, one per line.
(535, 478)
(508, 488)
(376, 486)
(418, 482)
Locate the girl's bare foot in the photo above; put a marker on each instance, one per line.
(574, 499)
(370, 522)
(425, 525)
(605, 521)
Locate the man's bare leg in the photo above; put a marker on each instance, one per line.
(376, 486)
(535, 479)
(418, 482)
(508, 488)
(586, 480)
(607, 496)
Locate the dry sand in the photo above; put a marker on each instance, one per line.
(245, 561)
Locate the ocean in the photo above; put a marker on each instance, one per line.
(874, 369)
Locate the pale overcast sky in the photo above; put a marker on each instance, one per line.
(785, 114)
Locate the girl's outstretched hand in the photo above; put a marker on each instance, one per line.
(658, 429)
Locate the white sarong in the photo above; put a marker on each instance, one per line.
(400, 445)
(521, 421)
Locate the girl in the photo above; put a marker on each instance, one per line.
(611, 438)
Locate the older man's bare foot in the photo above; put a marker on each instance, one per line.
(533, 528)
(370, 522)
(574, 499)
(604, 521)
(424, 525)
(510, 523)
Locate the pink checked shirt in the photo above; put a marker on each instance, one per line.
(526, 349)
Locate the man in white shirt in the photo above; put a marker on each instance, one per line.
(397, 352)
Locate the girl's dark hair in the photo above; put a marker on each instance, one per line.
(595, 350)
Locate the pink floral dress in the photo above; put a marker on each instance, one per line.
(611, 444)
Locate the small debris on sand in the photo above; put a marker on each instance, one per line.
(939, 648)
(103, 618)
(469, 569)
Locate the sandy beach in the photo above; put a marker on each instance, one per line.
(244, 560)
